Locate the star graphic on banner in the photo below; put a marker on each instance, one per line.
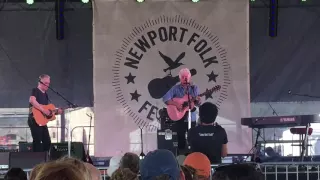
(130, 78)
(212, 77)
(208, 95)
(135, 96)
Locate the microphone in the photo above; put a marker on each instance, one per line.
(39, 80)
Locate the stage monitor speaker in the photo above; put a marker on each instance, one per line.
(167, 139)
(59, 150)
(4, 160)
(26, 146)
(27, 160)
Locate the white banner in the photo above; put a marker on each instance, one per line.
(139, 49)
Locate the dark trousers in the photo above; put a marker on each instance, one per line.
(181, 127)
(40, 135)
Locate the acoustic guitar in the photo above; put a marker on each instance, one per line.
(42, 119)
(175, 114)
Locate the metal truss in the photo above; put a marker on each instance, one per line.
(9, 5)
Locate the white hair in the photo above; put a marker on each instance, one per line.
(42, 76)
(184, 71)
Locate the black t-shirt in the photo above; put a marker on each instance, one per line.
(42, 98)
(208, 140)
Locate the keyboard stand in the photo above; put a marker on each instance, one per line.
(256, 148)
(305, 143)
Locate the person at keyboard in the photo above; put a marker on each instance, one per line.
(208, 137)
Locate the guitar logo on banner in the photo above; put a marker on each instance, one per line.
(148, 62)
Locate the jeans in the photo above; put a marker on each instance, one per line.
(181, 127)
(40, 135)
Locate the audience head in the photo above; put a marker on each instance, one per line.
(15, 174)
(189, 173)
(60, 170)
(160, 164)
(181, 159)
(131, 161)
(200, 163)
(35, 171)
(237, 172)
(94, 172)
(124, 174)
(114, 164)
(208, 113)
(76, 162)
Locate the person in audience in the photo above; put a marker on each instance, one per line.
(200, 164)
(35, 171)
(160, 165)
(15, 174)
(131, 161)
(76, 162)
(114, 164)
(236, 172)
(94, 172)
(208, 137)
(189, 173)
(124, 174)
(181, 159)
(60, 170)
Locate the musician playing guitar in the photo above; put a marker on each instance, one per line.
(38, 98)
(179, 91)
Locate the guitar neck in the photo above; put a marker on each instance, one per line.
(210, 91)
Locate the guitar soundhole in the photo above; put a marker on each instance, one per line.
(49, 116)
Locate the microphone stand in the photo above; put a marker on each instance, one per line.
(189, 111)
(305, 140)
(88, 158)
(189, 104)
(303, 95)
(273, 111)
(142, 155)
(274, 129)
(70, 105)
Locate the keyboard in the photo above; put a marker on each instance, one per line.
(280, 121)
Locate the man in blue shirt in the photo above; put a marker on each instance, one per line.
(178, 91)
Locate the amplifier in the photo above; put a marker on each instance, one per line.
(59, 150)
(167, 139)
(26, 146)
(4, 160)
(27, 160)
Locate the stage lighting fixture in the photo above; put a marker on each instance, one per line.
(59, 14)
(30, 2)
(84, 1)
(195, 0)
(273, 18)
(140, 1)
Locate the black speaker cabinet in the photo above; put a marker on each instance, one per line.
(27, 160)
(59, 150)
(167, 139)
(26, 146)
(4, 160)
